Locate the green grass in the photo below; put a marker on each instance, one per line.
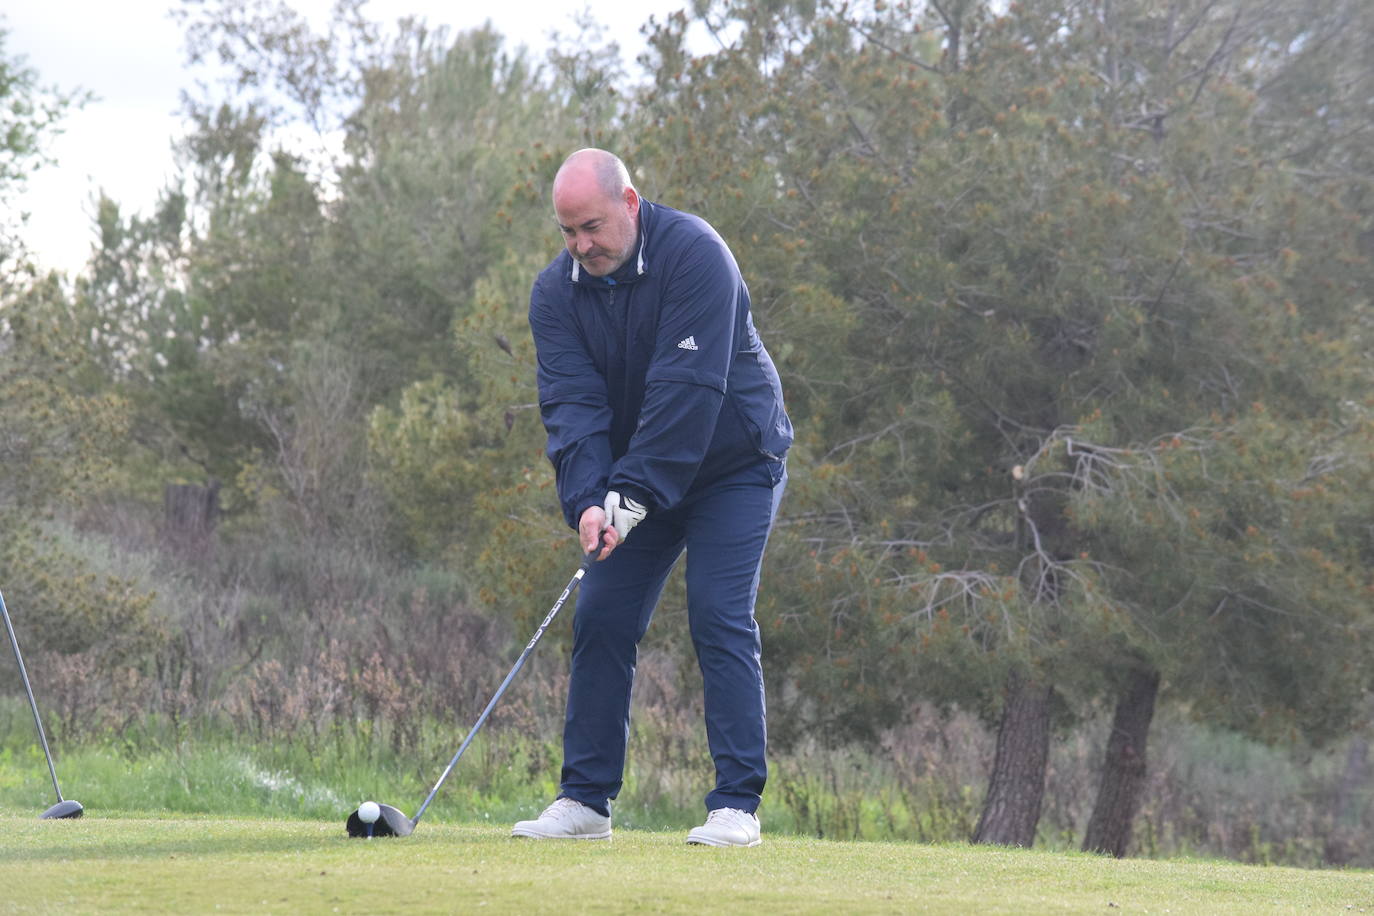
(201, 778)
(180, 864)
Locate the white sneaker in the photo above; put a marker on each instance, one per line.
(727, 827)
(565, 819)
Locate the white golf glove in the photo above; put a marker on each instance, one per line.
(623, 513)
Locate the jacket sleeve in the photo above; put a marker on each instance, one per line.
(685, 384)
(573, 403)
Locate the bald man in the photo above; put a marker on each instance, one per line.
(665, 420)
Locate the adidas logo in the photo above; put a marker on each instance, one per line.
(689, 344)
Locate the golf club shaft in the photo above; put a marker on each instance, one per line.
(24, 676)
(557, 606)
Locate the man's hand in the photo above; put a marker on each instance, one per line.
(592, 530)
(623, 513)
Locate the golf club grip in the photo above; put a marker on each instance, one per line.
(33, 704)
(515, 669)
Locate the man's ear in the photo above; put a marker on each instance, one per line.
(632, 202)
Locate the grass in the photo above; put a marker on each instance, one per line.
(165, 864)
(208, 778)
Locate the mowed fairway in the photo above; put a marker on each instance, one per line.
(198, 865)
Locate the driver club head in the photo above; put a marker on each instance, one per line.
(63, 809)
(391, 822)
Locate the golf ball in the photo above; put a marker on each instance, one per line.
(368, 812)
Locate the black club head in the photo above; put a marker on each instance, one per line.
(391, 822)
(63, 809)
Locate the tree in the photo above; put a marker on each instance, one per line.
(435, 189)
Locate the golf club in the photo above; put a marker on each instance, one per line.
(391, 821)
(64, 807)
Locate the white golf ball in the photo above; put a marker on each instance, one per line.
(368, 812)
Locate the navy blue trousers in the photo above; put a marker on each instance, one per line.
(724, 529)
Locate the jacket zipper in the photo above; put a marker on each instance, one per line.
(623, 329)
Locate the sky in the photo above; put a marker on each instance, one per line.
(130, 54)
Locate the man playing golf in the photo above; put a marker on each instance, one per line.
(665, 419)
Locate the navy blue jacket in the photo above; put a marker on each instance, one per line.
(653, 381)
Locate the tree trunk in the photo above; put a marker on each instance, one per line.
(190, 511)
(1123, 768)
(1017, 785)
(1349, 807)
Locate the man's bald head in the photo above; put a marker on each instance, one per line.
(588, 168)
(597, 209)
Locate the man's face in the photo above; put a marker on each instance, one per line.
(600, 231)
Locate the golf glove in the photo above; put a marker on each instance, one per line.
(623, 513)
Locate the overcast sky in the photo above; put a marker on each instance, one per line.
(130, 54)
